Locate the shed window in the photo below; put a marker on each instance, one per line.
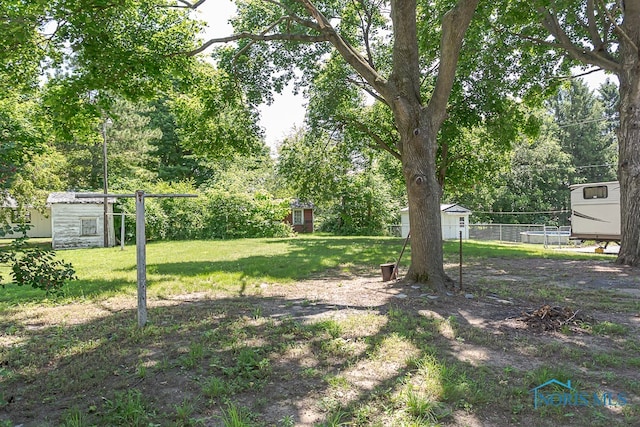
(462, 222)
(89, 227)
(298, 217)
(20, 217)
(595, 192)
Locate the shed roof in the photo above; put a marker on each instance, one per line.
(448, 208)
(7, 201)
(70, 198)
(297, 204)
(454, 208)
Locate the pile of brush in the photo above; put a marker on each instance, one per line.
(547, 318)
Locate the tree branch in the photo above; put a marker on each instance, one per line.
(368, 89)
(591, 25)
(618, 29)
(348, 52)
(454, 25)
(190, 5)
(303, 38)
(379, 142)
(599, 59)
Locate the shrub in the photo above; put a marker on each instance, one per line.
(35, 266)
(214, 214)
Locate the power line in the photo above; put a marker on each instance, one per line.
(538, 167)
(584, 122)
(524, 213)
(594, 166)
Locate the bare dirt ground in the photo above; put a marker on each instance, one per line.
(360, 370)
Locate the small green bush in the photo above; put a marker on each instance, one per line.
(35, 266)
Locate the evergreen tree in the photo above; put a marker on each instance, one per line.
(581, 128)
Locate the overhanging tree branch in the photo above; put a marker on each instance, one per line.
(598, 58)
(190, 5)
(454, 25)
(592, 26)
(304, 38)
(379, 142)
(362, 85)
(348, 52)
(619, 30)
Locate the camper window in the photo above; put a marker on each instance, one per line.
(596, 192)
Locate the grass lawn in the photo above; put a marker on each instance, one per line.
(192, 266)
(301, 331)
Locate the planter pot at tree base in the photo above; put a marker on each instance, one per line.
(389, 271)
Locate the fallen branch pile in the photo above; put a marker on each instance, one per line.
(548, 318)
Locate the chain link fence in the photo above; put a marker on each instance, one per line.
(521, 233)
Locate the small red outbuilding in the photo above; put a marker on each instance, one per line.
(301, 217)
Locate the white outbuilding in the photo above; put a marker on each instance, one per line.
(38, 220)
(454, 219)
(79, 222)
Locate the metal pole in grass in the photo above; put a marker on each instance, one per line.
(141, 256)
(460, 260)
(122, 232)
(141, 259)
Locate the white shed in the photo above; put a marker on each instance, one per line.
(79, 222)
(454, 219)
(39, 221)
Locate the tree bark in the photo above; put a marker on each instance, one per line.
(424, 192)
(629, 136)
(418, 127)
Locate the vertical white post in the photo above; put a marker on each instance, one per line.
(122, 231)
(141, 259)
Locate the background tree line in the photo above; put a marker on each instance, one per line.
(450, 113)
(356, 188)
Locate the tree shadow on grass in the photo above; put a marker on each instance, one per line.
(13, 294)
(288, 349)
(304, 259)
(388, 361)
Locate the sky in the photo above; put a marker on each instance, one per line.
(287, 111)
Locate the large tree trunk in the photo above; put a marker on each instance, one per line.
(629, 137)
(629, 173)
(424, 191)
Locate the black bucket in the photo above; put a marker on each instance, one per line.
(389, 271)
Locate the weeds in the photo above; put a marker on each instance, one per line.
(73, 418)
(236, 416)
(215, 387)
(609, 328)
(128, 408)
(420, 407)
(193, 357)
(185, 411)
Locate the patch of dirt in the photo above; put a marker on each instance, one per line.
(509, 316)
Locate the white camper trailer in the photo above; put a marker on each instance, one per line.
(595, 211)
